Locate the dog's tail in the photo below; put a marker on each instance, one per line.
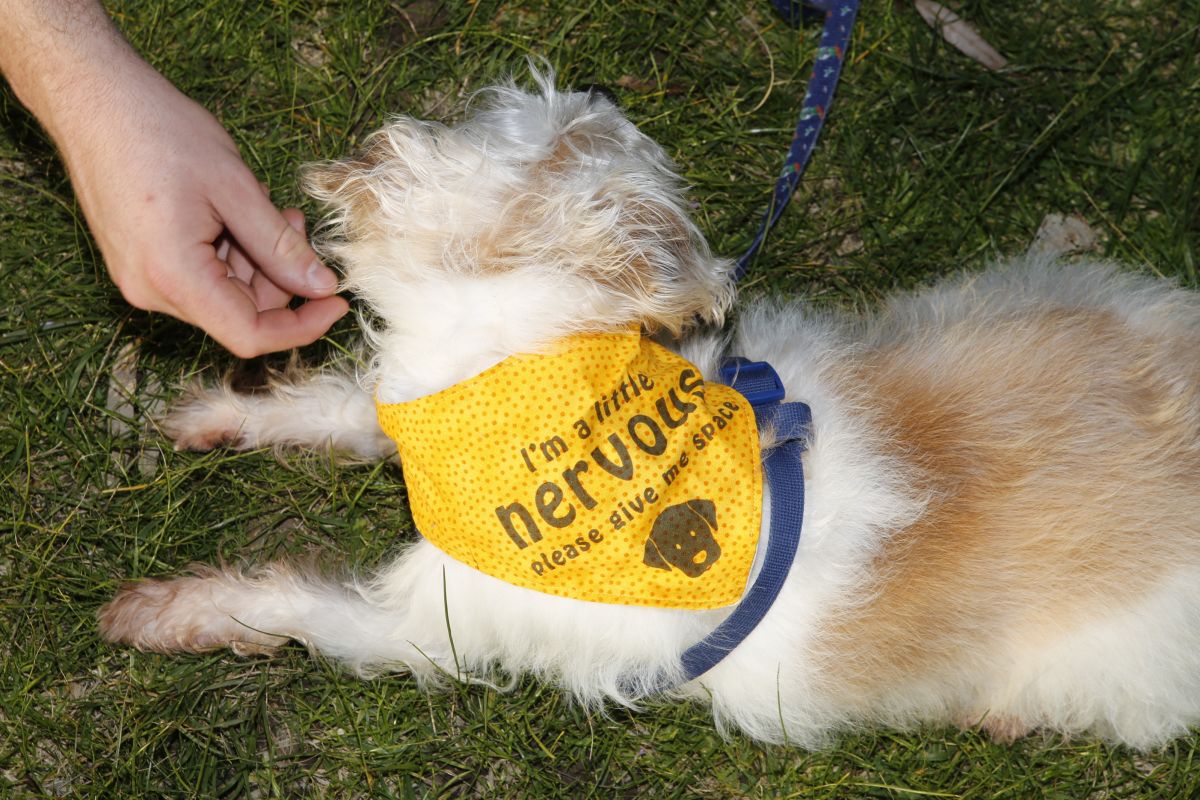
(255, 612)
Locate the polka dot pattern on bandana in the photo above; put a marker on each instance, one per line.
(605, 470)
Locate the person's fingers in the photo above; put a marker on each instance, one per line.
(223, 243)
(239, 263)
(294, 217)
(265, 292)
(247, 332)
(227, 309)
(272, 242)
(283, 328)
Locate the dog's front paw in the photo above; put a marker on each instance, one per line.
(179, 615)
(205, 420)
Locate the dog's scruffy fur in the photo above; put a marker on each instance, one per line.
(1003, 516)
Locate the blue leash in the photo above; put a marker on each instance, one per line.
(835, 38)
(758, 382)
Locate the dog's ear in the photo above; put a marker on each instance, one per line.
(617, 210)
(390, 211)
(354, 188)
(653, 558)
(655, 257)
(706, 510)
(665, 266)
(343, 185)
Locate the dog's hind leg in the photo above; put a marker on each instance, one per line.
(314, 411)
(255, 612)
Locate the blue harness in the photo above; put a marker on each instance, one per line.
(758, 382)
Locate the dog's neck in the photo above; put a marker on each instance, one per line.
(450, 328)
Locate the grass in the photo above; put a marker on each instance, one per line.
(929, 164)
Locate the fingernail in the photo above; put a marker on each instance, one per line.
(320, 277)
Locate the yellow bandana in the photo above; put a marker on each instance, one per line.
(605, 470)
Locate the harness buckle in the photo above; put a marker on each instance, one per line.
(757, 381)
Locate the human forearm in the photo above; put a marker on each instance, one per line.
(60, 57)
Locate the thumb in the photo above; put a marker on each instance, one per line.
(278, 247)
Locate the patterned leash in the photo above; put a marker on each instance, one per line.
(835, 38)
(758, 382)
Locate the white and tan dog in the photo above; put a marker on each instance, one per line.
(1003, 515)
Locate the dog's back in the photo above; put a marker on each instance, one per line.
(1051, 419)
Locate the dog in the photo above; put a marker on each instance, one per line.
(1002, 523)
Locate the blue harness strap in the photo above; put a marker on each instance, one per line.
(758, 382)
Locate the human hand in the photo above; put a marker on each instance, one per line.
(185, 227)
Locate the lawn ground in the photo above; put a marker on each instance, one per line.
(929, 164)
